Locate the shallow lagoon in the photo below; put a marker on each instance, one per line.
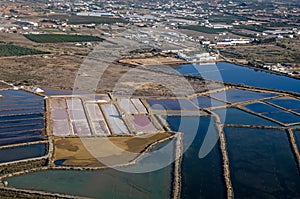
(107, 183)
(241, 75)
(262, 164)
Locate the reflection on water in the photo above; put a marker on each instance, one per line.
(241, 75)
(201, 178)
(262, 164)
(237, 116)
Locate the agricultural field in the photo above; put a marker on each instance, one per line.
(228, 19)
(57, 38)
(280, 52)
(7, 50)
(256, 28)
(203, 29)
(74, 19)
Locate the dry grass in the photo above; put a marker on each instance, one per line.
(270, 53)
(152, 61)
(49, 71)
(95, 152)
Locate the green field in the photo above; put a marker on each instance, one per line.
(255, 28)
(57, 38)
(7, 50)
(203, 29)
(74, 19)
(228, 19)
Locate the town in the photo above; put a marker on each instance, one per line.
(267, 37)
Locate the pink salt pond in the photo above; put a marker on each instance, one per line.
(61, 128)
(59, 114)
(143, 123)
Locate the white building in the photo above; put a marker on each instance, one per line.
(193, 56)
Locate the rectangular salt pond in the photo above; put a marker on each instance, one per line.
(58, 103)
(98, 121)
(81, 128)
(297, 137)
(262, 164)
(201, 177)
(206, 102)
(94, 112)
(101, 128)
(20, 134)
(61, 127)
(16, 123)
(20, 140)
(172, 104)
(263, 108)
(127, 106)
(139, 106)
(21, 112)
(77, 114)
(74, 104)
(59, 114)
(284, 117)
(142, 123)
(237, 116)
(14, 103)
(20, 107)
(21, 117)
(22, 128)
(22, 152)
(237, 95)
(286, 103)
(114, 120)
(78, 118)
(297, 111)
(19, 94)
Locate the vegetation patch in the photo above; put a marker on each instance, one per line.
(57, 38)
(204, 29)
(7, 50)
(255, 28)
